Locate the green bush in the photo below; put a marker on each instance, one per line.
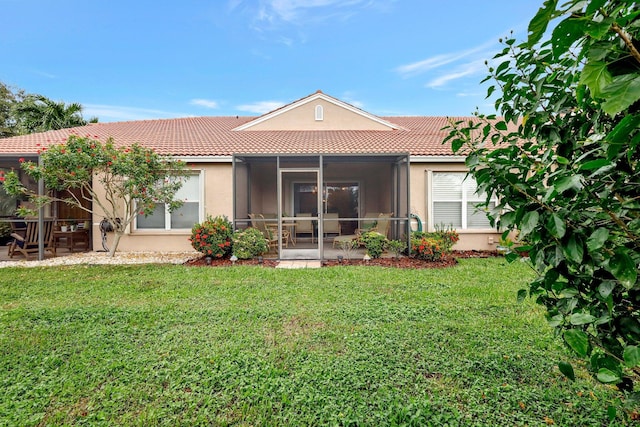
(249, 243)
(212, 237)
(374, 242)
(397, 247)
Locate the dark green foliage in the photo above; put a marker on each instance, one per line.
(374, 242)
(22, 113)
(565, 162)
(397, 247)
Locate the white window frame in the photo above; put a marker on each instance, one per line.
(319, 113)
(465, 201)
(167, 214)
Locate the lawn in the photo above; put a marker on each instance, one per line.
(173, 345)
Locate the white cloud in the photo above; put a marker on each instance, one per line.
(349, 97)
(260, 107)
(114, 113)
(408, 70)
(464, 70)
(205, 103)
(270, 14)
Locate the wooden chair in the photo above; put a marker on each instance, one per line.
(27, 241)
(258, 221)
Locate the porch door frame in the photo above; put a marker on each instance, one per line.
(292, 252)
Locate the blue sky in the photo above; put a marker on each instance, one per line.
(140, 59)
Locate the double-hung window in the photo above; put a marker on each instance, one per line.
(182, 218)
(454, 200)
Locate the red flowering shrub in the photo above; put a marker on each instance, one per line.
(213, 237)
(427, 248)
(433, 246)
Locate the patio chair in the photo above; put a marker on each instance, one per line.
(368, 224)
(257, 221)
(331, 224)
(383, 224)
(304, 226)
(27, 241)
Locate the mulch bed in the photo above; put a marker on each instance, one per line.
(403, 262)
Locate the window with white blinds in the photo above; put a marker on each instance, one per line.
(454, 200)
(182, 218)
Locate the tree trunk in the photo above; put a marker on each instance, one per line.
(116, 239)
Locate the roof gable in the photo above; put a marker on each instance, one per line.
(318, 112)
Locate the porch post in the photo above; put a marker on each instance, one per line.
(40, 216)
(408, 185)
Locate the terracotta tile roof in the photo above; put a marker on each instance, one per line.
(214, 136)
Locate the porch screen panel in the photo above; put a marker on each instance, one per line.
(242, 194)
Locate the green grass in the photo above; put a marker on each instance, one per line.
(171, 345)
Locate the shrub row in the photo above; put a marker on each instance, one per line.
(215, 237)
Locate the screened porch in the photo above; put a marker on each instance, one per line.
(307, 206)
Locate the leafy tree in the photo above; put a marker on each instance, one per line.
(133, 178)
(8, 100)
(564, 159)
(37, 113)
(22, 113)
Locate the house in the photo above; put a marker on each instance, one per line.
(316, 161)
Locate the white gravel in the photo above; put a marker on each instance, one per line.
(104, 258)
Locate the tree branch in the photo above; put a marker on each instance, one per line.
(627, 41)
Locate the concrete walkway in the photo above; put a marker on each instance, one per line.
(299, 264)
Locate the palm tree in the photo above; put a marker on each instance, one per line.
(38, 113)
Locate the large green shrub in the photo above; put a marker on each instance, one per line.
(249, 243)
(564, 159)
(374, 242)
(213, 236)
(397, 247)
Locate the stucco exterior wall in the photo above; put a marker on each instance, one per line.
(217, 199)
(335, 118)
(419, 183)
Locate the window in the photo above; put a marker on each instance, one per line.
(454, 201)
(319, 113)
(181, 218)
